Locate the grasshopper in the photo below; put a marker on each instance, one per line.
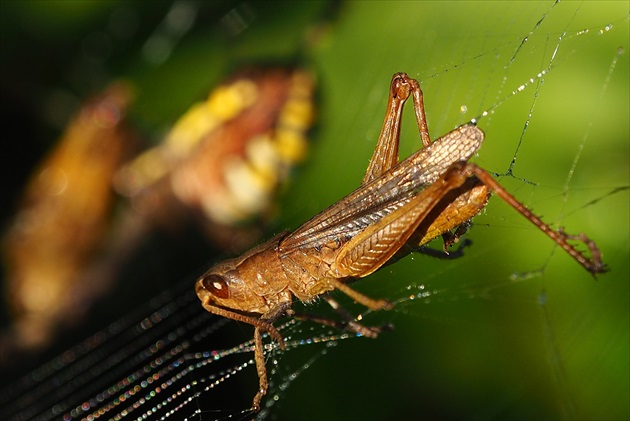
(433, 192)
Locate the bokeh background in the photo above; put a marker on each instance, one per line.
(481, 347)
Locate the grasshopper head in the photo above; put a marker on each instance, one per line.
(252, 283)
(223, 285)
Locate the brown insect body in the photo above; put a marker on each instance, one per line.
(410, 202)
(302, 262)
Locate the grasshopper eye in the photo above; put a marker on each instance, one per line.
(216, 285)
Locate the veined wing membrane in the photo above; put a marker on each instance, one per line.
(383, 195)
(369, 250)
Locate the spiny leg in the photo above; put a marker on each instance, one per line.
(593, 265)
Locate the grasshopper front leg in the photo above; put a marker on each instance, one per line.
(259, 351)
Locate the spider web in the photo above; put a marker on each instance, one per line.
(509, 329)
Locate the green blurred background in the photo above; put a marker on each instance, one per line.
(483, 346)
